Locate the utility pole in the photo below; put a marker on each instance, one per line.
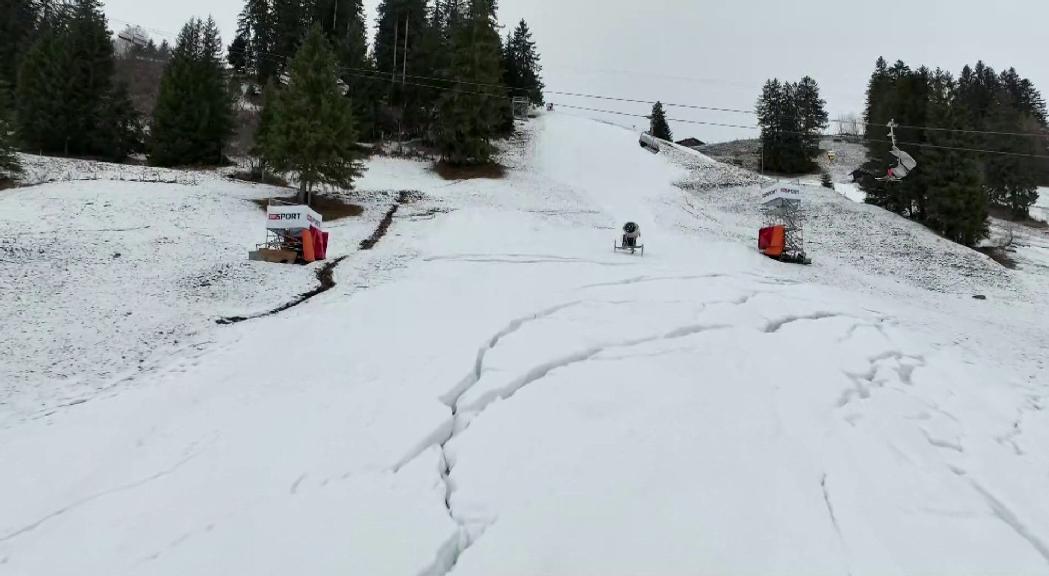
(404, 71)
(396, 30)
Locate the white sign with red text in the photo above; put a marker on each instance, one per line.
(292, 218)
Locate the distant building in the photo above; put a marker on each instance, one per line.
(691, 143)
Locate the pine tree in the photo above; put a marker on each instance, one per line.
(120, 131)
(65, 93)
(826, 181)
(956, 206)
(813, 117)
(19, 20)
(659, 127)
(290, 21)
(402, 26)
(769, 109)
(41, 93)
(9, 164)
(266, 122)
(469, 118)
(511, 75)
(310, 129)
(1012, 180)
(90, 73)
(164, 50)
(522, 67)
(342, 22)
(193, 118)
(237, 54)
(901, 94)
(790, 116)
(255, 25)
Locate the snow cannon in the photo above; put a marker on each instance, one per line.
(631, 240)
(782, 237)
(649, 142)
(294, 233)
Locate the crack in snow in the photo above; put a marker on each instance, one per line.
(540, 371)
(519, 259)
(774, 326)
(834, 521)
(295, 485)
(452, 398)
(830, 507)
(1007, 516)
(448, 555)
(647, 279)
(945, 444)
(99, 495)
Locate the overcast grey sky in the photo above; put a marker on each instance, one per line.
(719, 53)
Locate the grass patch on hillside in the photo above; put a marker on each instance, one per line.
(257, 177)
(999, 255)
(1007, 215)
(331, 208)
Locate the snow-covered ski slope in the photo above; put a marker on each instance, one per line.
(493, 391)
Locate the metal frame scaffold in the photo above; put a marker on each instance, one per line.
(781, 206)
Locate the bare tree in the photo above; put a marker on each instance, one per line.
(850, 125)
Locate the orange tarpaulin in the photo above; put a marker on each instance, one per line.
(772, 240)
(308, 252)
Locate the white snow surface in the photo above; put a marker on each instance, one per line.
(493, 391)
(1041, 207)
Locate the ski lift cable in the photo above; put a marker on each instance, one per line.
(168, 33)
(705, 108)
(385, 78)
(907, 144)
(666, 104)
(954, 130)
(616, 113)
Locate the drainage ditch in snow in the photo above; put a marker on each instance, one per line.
(326, 275)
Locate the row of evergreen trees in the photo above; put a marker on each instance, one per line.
(452, 86)
(9, 164)
(66, 99)
(952, 189)
(792, 117)
(438, 70)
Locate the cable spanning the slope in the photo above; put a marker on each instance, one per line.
(683, 121)
(743, 127)
(402, 77)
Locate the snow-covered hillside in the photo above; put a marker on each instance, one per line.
(108, 271)
(493, 391)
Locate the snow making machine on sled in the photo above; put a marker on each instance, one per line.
(294, 234)
(631, 240)
(782, 238)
